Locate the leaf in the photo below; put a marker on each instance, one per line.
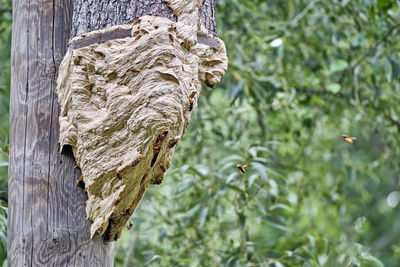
(3, 239)
(3, 220)
(261, 169)
(360, 39)
(231, 177)
(333, 88)
(395, 69)
(231, 261)
(281, 206)
(242, 220)
(384, 4)
(372, 259)
(161, 234)
(279, 226)
(261, 207)
(252, 179)
(274, 190)
(199, 170)
(231, 159)
(153, 259)
(203, 216)
(311, 239)
(236, 90)
(235, 188)
(338, 65)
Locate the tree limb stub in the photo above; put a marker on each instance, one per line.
(125, 103)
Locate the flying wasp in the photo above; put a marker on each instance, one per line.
(348, 139)
(241, 168)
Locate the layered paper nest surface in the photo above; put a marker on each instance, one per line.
(125, 104)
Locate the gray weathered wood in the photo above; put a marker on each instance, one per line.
(93, 15)
(47, 220)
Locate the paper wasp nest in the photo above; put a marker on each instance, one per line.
(126, 103)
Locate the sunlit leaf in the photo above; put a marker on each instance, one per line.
(333, 87)
(338, 65)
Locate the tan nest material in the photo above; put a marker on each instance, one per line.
(125, 104)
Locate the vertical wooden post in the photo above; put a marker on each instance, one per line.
(47, 220)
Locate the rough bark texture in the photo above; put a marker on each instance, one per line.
(93, 15)
(126, 103)
(47, 223)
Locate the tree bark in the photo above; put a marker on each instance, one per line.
(93, 15)
(47, 223)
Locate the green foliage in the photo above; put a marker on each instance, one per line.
(301, 74)
(5, 44)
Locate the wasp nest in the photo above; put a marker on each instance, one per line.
(126, 103)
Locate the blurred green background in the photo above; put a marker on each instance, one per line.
(301, 74)
(5, 52)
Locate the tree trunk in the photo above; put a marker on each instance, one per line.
(47, 223)
(93, 15)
